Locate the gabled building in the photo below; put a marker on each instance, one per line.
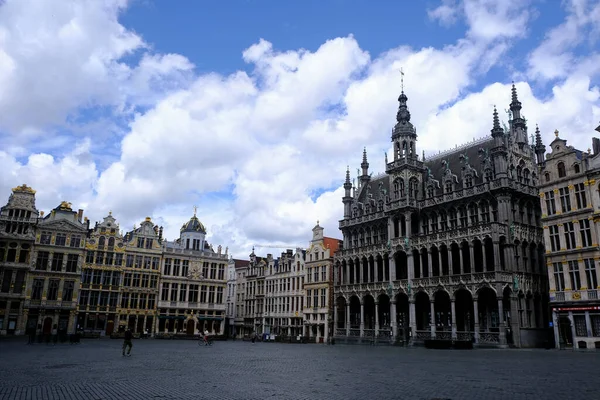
(54, 281)
(101, 278)
(447, 248)
(139, 289)
(569, 193)
(193, 283)
(18, 219)
(239, 293)
(318, 286)
(254, 293)
(284, 294)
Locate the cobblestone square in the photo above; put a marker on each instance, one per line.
(160, 369)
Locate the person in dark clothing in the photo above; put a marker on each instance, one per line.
(127, 342)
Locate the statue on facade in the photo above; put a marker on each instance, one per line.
(219, 249)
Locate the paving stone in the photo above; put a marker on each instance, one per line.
(160, 369)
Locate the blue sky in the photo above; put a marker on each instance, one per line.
(252, 110)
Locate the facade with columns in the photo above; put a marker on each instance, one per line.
(101, 278)
(141, 273)
(449, 247)
(17, 236)
(570, 199)
(193, 284)
(54, 279)
(284, 294)
(318, 285)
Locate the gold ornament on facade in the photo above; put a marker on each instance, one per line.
(576, 296)
(23, 189)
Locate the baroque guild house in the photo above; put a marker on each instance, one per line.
(446, 248)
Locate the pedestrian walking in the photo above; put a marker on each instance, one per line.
(127, 342)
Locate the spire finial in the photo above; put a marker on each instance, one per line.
(401, 79)
(195, 210)
(317, 222)
(556, 132)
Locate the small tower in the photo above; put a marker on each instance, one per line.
(347, 200)
(364, 178)
(404, 135)
(498, 152)
(540, 149)
(519, 127)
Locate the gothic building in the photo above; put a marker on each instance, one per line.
(101, 278)
(17, 236)
(54, 279)
(446, 248)
(192, 284)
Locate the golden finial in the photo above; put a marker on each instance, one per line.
(41, 213)
(148, 219)
(556, 132)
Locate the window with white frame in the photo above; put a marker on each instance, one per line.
(590, 273)
(550, 203)
(580, 325)
(554, 237)
(569, 235)
(565, 199)
(580, 198)
(574, 274)
(586, 232)
(559, 278)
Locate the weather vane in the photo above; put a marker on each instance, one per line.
(401, 79)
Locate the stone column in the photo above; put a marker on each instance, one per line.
(348, 319)
(496, 247)
(432, 318)
(412, 320)
(555, 321)
(450, 265)
(515, 328)
(573, 332)
(453, 311)
(144, 327)
(502, 321)
(392, 266)
(471, 258)
(429, 262)
(460, 254)
(393, 321)
(376, 318)
(476, 319)
(410, 265)
(335, 317)
(484, 254)
(362, 318)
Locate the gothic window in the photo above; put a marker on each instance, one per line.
(468, 181)
(488, 175)
(396, 189)
(485, 211)
(473, 213)
(367, 209)
(562, 172)
(101, 241)
(430, 191)
(519, 174)
(111, 242)
(413, 185)
(463, 216)
(444, 220)
(526, 176)
(425, 225)
(434, 223)
(448, 187)
(453, 219)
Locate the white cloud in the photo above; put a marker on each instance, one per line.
(556, 57)
(56, 57)
(269, 140)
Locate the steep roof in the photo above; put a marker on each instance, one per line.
(452, 157)
(331, 243)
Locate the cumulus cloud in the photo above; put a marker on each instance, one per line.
(263, 154)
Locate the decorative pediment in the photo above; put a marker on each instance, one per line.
(62, 225)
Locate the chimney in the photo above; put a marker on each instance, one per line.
(79, 214)
(596, 144)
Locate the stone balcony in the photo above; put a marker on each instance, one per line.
(53, 304)
(575, 295)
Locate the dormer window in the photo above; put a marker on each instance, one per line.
(448, 187)
(430, 191)
(562, 172)
(488, 175)
(468, 181)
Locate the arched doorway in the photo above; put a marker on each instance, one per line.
(190, 327)
(369, 313)
(422, 316)
(565, 331)
(341, 316)
(354, 316)
(402, 317)
(489, 320)
(383, 311)
(47, 329)
(443, 315)
(465, 322)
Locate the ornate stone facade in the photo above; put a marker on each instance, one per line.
(447, 248)
(17, 236)
(318, 286)
(101, 278)
(54, 279)
(569, 193)
(141, 273)
(193, 283)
